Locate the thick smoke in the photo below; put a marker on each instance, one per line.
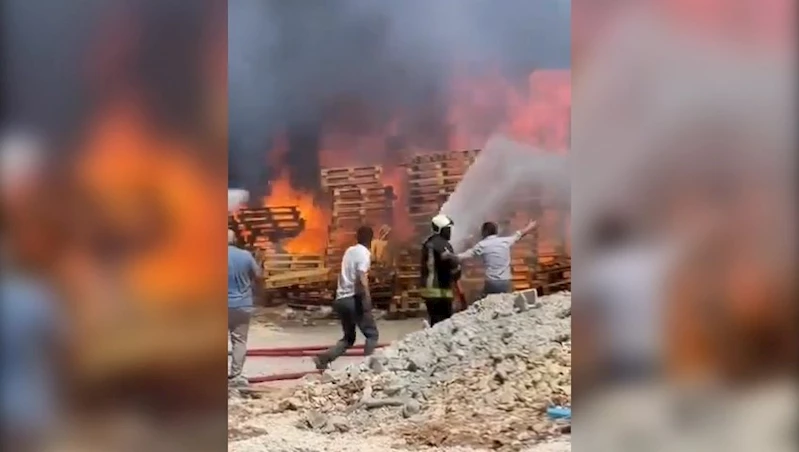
(62, 59)
(295, 65)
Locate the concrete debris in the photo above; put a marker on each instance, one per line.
(481, 380)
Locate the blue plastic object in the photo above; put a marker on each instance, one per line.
(559, 412)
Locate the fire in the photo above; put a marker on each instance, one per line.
(136, 175)
(536, 112)
(313, 238)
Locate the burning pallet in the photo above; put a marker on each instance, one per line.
(274, 223)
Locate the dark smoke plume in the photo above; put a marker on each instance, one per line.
(295, 65)
(61, 59)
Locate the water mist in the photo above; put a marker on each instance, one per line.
(503, 169)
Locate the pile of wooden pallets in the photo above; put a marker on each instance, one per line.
(358, 197)
(431, 178)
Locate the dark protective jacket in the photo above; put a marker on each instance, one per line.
(438, 276)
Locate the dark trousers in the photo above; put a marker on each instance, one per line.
(350, 312)
(438, 309)
(493, 286)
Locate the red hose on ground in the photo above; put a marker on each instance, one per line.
(308, 348)
(296, 354)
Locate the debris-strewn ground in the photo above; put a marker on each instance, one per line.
(481, 380)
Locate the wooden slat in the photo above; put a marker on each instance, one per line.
(333, 178)
(296, 278)
(443, 156)
(437, 181)
(351, 171)
(454, 173)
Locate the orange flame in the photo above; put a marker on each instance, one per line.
(313, 238)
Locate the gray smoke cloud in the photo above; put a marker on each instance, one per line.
(53, 51)
(295, 64)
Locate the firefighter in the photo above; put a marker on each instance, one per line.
(439, 272)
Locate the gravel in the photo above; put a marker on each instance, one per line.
(479, 381)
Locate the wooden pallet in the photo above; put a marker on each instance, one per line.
(550, 288)
(362, 210)
(363, 192)
(297, 278)
(275, 213)
(455, 165)
(437, 157)
(272, 222)
(282, 263)
(435, 181)
(441, 173)
(333, 178)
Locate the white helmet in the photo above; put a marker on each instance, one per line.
(440, 222)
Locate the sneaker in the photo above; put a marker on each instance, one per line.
(319, 363)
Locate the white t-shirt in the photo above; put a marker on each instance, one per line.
(357, 259)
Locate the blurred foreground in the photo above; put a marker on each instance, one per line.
(684, 227)
(113, 321)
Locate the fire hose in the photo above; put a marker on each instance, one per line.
(296, 352)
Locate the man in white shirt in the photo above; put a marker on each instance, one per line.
(353, 302)
(494, 251)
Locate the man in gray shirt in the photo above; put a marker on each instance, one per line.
(494, 251)
(242, 273)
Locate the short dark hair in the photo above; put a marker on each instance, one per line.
(364, 235)
(489, 228)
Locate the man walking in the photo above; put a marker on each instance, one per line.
(353, 303)
(242, 271)
(495, 253)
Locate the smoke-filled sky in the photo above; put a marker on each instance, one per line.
(290, 61)
(61, 58)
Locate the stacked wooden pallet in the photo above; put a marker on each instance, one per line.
(431, 178)
(523, 253)
(272, 223)
(298, 278)
(358, 197)
(553, 276)
(551, 237)
(353, 176)
(278, 264)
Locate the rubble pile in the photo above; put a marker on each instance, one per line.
(483, 378)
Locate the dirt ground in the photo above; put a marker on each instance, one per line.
(269, 331)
